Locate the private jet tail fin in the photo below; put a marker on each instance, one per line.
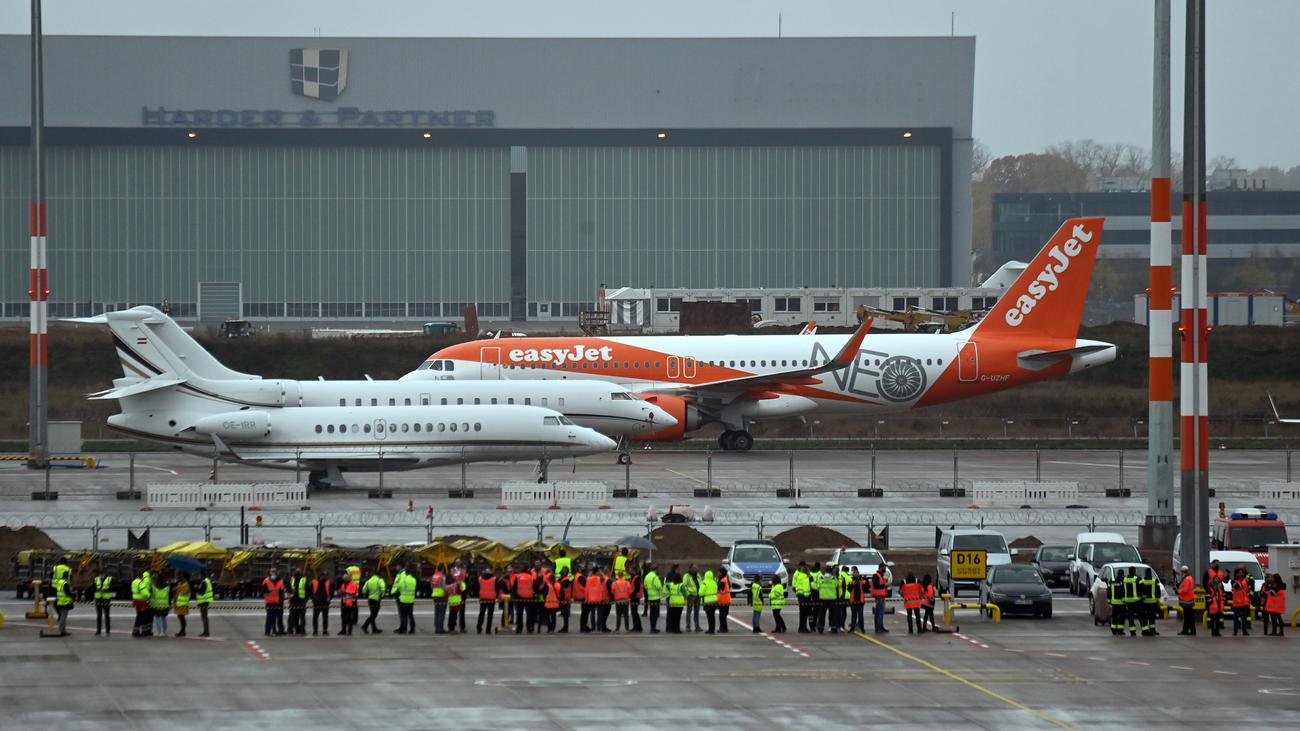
(1046, 300)
(151, 344)
(134, 388)
(1276, 415)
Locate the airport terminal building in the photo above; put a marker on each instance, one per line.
(392, 178)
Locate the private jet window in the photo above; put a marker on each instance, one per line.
(444, 402)
(550, 421)
(477, 402)
(561, 400)
(392, 402)
(406, 428)
(464, 426)
(374, 402)
(355, 428)
(318, 429)
(453, 426)
(620, 396)
(343, 428)
(927, 362)
(494, 400)
(545, 400)
(343, 402)
(805, 363)
(763, 363)
(329, 428)
(408, 402)
(392, 427)
(428, 427)
(510, 400)
(733, 364)
(528, 401)
(460, 401)
(358, 402)
(783, 363)
(366, 428)
(478, 426)
(416, 427)
(442, 426)
(424, 401)
(938, 361)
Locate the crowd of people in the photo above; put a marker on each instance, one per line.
(1134, 601)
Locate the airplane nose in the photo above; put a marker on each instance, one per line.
(599, 441)
(661, 419)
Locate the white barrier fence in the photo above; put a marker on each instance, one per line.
(191, 495)
(1283, 491)
(546, 494)
(1025, 493)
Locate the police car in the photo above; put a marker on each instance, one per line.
(751, 560)
(865, 560)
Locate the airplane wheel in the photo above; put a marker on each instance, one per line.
(316, 480)
(742, 441)
(724, 440)
(624, 458)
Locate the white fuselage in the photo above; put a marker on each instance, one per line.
(358, 438)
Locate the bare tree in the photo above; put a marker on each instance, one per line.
(979, 159)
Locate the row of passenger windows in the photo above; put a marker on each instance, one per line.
(762, 363)
(424, 401)
(394, 427)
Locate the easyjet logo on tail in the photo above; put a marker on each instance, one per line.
(560, 356)
(1048, 280)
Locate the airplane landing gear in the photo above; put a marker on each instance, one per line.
(736, 441)
(625, 458)
(543, 470)
(316, 479)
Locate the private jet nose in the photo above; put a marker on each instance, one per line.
(595, 440)
(656, 417)
(1094, 353)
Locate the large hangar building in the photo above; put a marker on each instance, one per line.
(388, 178)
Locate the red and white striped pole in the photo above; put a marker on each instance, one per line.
(1194, 439)
(1161, 523)
(39, 288)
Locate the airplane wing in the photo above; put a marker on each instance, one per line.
(1038, 359)
(795, 377)
(810, 328)
(1277, 416)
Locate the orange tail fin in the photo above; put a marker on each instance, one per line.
(1046, 301)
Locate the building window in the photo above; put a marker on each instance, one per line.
(826, 305)
(668, 304)
(755, 304)
(946, 304)
(901, 304)
(788, 304)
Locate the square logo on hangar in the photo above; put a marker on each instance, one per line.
(319, 73)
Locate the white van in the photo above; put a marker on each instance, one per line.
(1091, 552)
(993, 543)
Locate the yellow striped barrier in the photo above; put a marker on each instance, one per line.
(993, 609)
(1293, 616)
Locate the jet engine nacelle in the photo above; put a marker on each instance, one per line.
(771, 407)
(235, 425)
(685, 412)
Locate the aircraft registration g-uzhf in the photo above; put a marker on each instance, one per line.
(1030, 335)
(175, 392)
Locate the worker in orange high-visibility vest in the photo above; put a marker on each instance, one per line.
(551, 604)
(621, 589)
(927, 603)
(487, 600)
(724, 599)
(524, 594)
(911, 593)
(598, 595)
(1274, 605)
(1242, 584)
(1187, 601)
(273, 600)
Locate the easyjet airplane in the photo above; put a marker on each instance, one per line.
(1030, 335)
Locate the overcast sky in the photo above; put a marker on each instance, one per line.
(1045, 70)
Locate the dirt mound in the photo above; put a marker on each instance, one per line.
(682, 543)
(23, 539)
(1026, 542)
(811, 538)
(457, 537)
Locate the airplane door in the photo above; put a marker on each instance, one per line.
(674, 367)
(490, 363)
(688, 368)
(968, 362)
(381, 429)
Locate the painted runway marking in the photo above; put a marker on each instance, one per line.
(1272, 677)
(1098, 659)
(1137, 662)
(1181, 667)
(1225, 672)
(683, 474)
(797, 650)
(968, 683)
(256, 650)
(1054, 654)
(1094, 464)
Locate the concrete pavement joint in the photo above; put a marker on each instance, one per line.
(797, 650)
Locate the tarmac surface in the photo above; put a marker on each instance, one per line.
(1020, 674)
(827, 479)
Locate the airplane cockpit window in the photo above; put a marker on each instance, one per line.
(550, 421)
(620, 396)
(426, 365)
(449, 365)
(566, 421)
